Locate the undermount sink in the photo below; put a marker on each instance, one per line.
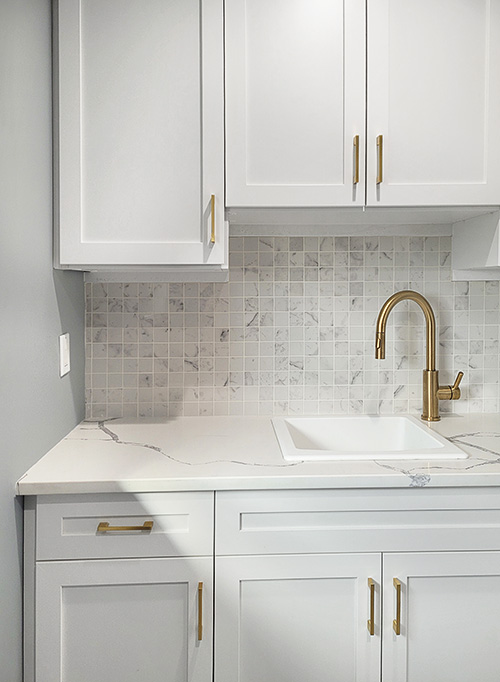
(358, 437)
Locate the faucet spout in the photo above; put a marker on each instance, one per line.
(430, 322)
(380, 346)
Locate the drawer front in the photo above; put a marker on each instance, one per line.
(143, 525)
(383, 520)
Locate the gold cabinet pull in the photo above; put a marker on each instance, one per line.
(212, 208)
(200, 612)
(104, 527)
(371, 621)
(396, 623)
(380, 157)
(355, 177)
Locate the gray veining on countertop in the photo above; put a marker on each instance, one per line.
(216, 453)
(102, 425)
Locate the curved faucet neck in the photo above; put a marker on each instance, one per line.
(429, 320)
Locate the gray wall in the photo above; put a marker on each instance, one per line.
(37, 304)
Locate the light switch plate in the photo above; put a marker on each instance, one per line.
(64, 364)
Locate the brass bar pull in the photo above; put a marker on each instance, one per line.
(104, 527)
(380, 157)
(396, 623)
(371, 621)
(200, 612)
(212, 205)
(355, 143)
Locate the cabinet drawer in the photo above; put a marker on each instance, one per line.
(168, 525)
(351, 520)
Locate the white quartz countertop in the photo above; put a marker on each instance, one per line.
(236, 453)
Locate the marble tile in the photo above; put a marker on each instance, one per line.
(292, 332)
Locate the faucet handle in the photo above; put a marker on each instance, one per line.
(451, 392)
(454, 388)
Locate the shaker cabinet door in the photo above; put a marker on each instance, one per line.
(295, 100)
(448, 615)
(139, 132)
(296, 618)
(433, 102)
(128, 620)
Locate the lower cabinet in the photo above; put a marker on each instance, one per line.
(296, 618)
(119, 588)
(448, 615)
(321, 618)
(409, 590)
(124, 620)
(310, 585)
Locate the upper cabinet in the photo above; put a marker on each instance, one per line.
(378, 103)
(434, 102)
(139, 133)
(298, 128)
(295, 102)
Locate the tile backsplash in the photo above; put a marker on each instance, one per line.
(292, 332)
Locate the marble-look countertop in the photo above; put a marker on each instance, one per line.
(236, 453)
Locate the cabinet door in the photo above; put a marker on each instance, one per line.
(450, 630)
(129, 620)
(296, 618)
(434, 96)
(139, 132)
(295, 99)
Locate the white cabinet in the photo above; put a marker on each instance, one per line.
(475, 248)
(450, 631)
(296, 617)
(434, 97)
(289, 618)
(139, 133)
(308, 586)
(127, 620)
(295, 99)
(119, 587)
(288, 608)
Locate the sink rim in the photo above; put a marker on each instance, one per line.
(446, 450)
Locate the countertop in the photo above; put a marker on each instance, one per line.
(236, 453)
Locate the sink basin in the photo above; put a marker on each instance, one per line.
(358, 437)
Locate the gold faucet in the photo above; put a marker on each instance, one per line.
(432, 391)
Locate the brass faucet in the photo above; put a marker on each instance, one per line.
(432, 391)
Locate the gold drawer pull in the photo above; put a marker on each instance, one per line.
(380, 159)
(200, 612)
(396, 623)
(104, 527)
(212, 206)
(355, 143)
(371, 621)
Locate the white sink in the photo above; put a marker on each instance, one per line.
(360, 437)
